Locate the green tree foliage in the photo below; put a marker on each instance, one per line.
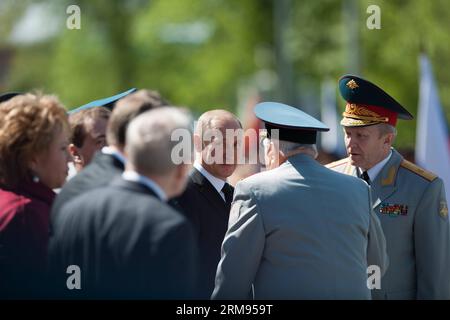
(199, 53)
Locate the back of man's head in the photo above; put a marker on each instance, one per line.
(152, 137)
(127, 109)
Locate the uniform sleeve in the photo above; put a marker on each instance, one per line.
(242, 248)
(376, 248)
(432, 244)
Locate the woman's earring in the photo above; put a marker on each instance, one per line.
(35, 178)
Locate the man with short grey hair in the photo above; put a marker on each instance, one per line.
(128, 242)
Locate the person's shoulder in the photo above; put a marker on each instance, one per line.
(12, 204)
(258, 178)
(18, 207)
(348, 182)
(261, 182)
(339, 164)
(150, 211)
(413, 171)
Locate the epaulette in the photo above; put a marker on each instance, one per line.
(418, 170)
(337, 163)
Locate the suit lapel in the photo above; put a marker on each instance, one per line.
(207, 189)
(384, 184)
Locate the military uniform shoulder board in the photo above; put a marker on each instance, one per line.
(337, 163)
(418, 170)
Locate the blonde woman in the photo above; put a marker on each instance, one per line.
(33, 160)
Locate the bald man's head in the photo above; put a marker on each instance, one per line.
(217, 119)
(211, 143)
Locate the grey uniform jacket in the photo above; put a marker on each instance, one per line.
(410, 203)
(300, 231)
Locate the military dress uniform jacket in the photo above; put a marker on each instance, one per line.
(411, 205)
(300, 231)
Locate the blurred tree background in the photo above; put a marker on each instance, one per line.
(215, 53)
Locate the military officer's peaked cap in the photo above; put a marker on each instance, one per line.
(293, 124)
(368, 104)
(105, 102)
(8, 95)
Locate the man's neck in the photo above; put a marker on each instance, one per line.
(292, 153)
(375, 170)
(205, 168)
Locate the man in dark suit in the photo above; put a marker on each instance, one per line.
(207, 199)
(110, 162)
(125, 239)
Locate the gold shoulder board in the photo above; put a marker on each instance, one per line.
(418, 170)
(337, 163)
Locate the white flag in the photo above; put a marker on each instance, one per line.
(432, 140)
(332, 141)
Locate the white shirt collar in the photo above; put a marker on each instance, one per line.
(149, 183)
(375, 170)
(72, 171)
(116, 154)
(216, 182)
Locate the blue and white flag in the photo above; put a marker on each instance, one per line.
(432, 138)
(332, 141)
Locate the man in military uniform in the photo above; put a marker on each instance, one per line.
(287, 237)
(409, 201)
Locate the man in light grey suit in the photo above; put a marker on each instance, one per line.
(299, 231)
(409, 200)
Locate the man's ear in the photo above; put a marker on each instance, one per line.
(76, 156)
(389, 139)
(198, 143)
(181, 172)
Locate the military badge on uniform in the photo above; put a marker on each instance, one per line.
(394, 210)
(443, 210)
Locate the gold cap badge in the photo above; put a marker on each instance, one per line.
(352, 84)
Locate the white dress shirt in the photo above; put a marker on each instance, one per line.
(216, 182)
(375, 170)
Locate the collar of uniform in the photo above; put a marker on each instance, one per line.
(116, 154)
(299, 158)
(384, 185)
(376, 169)
(149, 183)
(216, 182)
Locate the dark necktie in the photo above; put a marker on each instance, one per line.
(365, 177)
(228, 192)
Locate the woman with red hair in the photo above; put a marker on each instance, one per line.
(33, 160)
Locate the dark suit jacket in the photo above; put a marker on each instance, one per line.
(206, 209)
(128, 244)
(98, 173)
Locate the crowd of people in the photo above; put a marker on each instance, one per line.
(97, 188)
